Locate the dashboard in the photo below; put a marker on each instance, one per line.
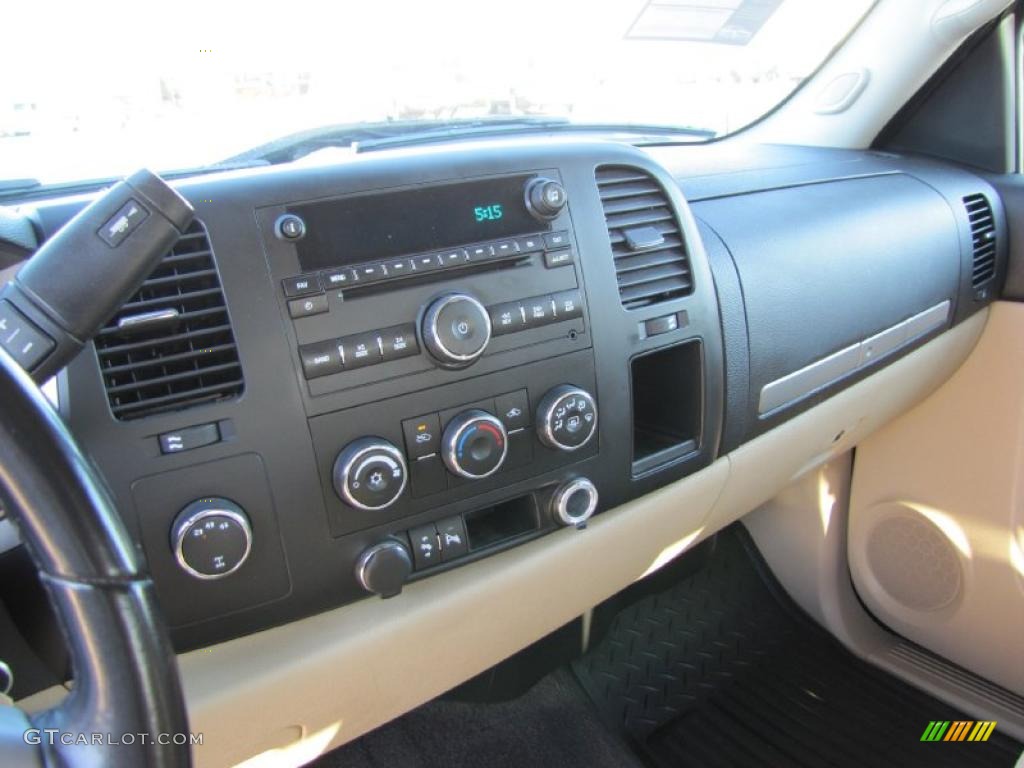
(353, 375)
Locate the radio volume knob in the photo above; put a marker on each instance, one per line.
(369, 473)
(545, 198)
(474, 444)
(566, 418)
(456, 329)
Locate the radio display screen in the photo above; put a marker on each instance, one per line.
(377, 226)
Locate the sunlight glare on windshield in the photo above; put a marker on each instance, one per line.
(98, 89)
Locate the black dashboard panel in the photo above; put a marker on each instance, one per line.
(877, 250)
(281, 439)
(797, 252)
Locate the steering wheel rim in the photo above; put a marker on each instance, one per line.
(126, 684)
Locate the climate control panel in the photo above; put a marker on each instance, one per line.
(399, 458)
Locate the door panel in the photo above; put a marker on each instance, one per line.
(936, 540)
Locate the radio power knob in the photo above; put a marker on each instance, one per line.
(545, 198)
(456, 329)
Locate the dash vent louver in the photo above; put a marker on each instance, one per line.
(983, 236)
(651, 263)
(171, 345)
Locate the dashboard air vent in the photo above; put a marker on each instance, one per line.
(983, 234)
(651, 264)
(171, 345)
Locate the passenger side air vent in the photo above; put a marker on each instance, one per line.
(650, 257)
(171, 346)
(983, 234)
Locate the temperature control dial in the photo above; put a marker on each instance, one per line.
(474, 444)
(370, 473)
(566, 418)
(211, 538)
(456, 329)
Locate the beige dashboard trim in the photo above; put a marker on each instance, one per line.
(286, 694)
(337, 675)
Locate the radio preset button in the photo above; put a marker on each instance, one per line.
(320, 359)
(454, 257)
(504, 248)
(422, 435)
(480, 252)
(399, 267)
(313, 305)
(398, 342)
(427, 263)
(360, 350)
(301, 285)
(369, 273)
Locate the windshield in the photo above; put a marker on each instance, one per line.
(95, 90)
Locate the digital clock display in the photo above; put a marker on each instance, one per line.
(362, 228)
(491, 212)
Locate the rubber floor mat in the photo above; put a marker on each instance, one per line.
(723, 669)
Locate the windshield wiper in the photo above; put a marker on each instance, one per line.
(11, 186)
(651, 134)
(358, 135)
(369, 137)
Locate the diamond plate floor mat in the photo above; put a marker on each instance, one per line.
(722, 669)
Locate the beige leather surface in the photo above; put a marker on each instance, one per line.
(766, 465)
(282, 696)
(954, 467)
(334, 676)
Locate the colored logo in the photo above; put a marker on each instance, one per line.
(958, 730)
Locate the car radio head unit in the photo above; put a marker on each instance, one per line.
(351, 230)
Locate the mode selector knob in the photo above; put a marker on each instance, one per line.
(456, 329)
(474, 444)
(370, 473)
(545, 198)
(566, 418)
(211, 538)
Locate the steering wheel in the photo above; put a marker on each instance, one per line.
(126, 707)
